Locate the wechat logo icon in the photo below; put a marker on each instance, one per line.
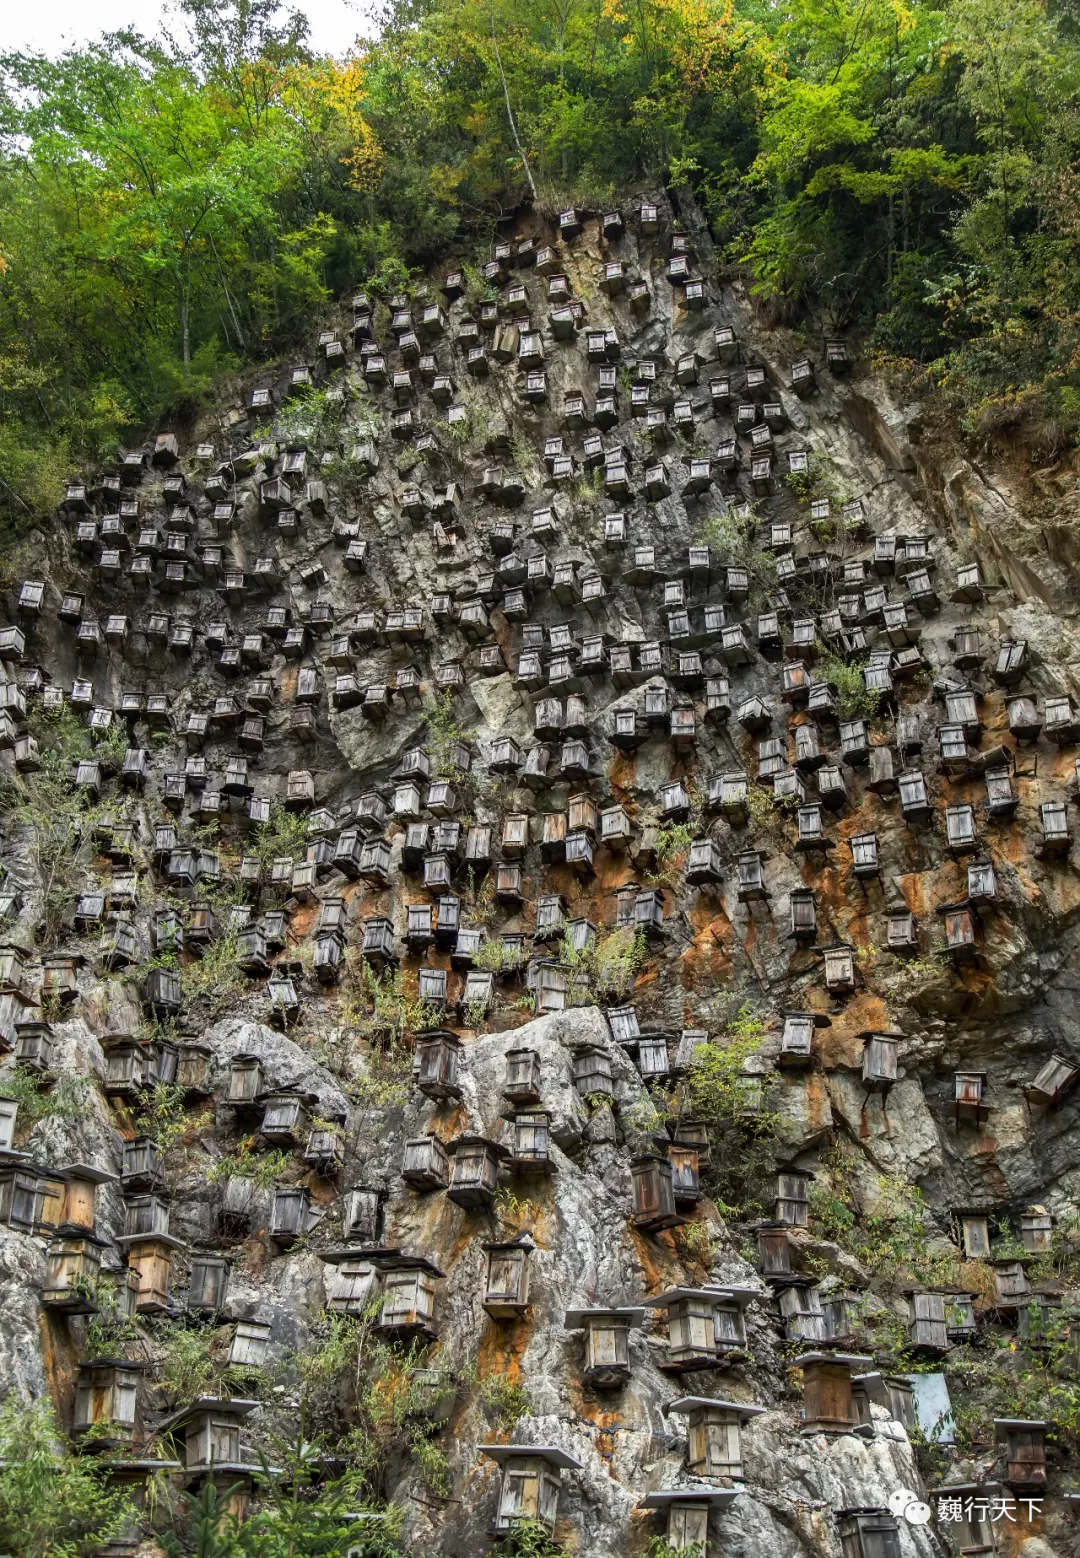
(909, 1505)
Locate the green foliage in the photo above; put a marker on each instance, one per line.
(1011, 1378)
(286, 833)
(350, 1371)
(186, 1366)
(51, 1505)
(312, 418)
(263, 1168)
(530, 1539)
(713, 1091)
(165, 1117)
(212, 1531)
(443, 734)
(732, 540)
(606, 967)
(109, 1330)
(672, 842)
(215, 978)
(765, 806)
(660, 1547)
(911, 979)
(59, 819)
(302, 1514)
(381, 1006)
(475, 1015)
(699, 1243)
(853, 699)
(64, 1099)
(432, 1463)
(174, 210)
(467, 429)
(504, 1400)
(887, 1232)
(515, 1209)
(495, 957)
(110, 746)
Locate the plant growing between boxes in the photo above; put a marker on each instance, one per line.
(854, 700)
(39, 1099)
(262, 1168)
(351, 1368)
(61, 818)
(382, 1006)
(530, 1539)
(713, 1091)
(51, 1503)
(606, 966)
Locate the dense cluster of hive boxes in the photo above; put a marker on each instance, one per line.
(229, 602)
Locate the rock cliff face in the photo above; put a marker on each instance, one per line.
(607, 761)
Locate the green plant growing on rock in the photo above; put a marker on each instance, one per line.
(431, 1462)
(713, 1090)
(478, 899)
(1013, 1379)
(596, 1102)
(477, 290)
(186, 1366)
(475, 1015)
(285, 834)
(311, 418)
(660, 1547)
(384, 1081)
(605, 966)
(380, 1006)
(468, 428)
(819, 480)
(671, 843)
(518, 1210)
(765, 806)
(215, 979)
(262, 1168)
(110, 746)
(854, 700)
(52, 1505)
(164, 1118)
(521, 453)
(349, 1371)
(109, 1330)
(699, 1242)
(643, 1117)
(348, 470)
(891, 1240)
(504, 1399)
(443, 734)
(59, 818)
(495, 957)
(530, 1539)
(733, 540)
(39, 1099)
(910, 978)
(589, 486)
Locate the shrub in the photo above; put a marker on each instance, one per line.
(44, 1514)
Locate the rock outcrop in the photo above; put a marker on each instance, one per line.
(589, 751)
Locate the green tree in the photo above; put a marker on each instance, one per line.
(52, 1505)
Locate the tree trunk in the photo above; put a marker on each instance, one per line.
(509, 110)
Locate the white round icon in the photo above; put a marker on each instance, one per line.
(899, 1501)
(917, 1513)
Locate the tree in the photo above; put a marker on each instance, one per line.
(52, 1505)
